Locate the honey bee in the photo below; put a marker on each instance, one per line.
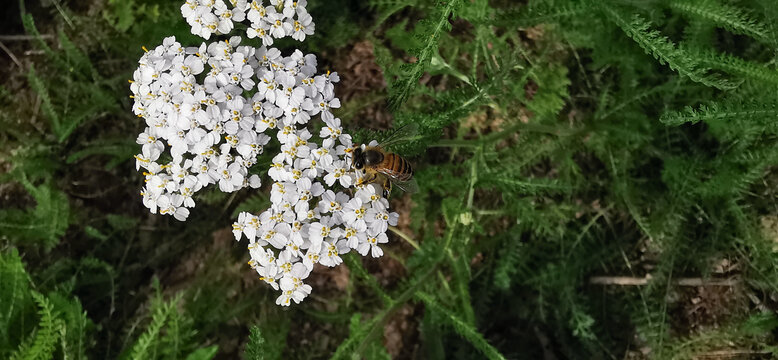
(377, 165)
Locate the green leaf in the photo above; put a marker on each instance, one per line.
(14, 298)
(462, 328)
(664, 50)
(727, 16)
(44, 224)
(429, 33)
(47, 334)
(258, 348)
(206, 353)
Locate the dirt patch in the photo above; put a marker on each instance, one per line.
(362, 88)
(329, 282)
(401, 334)
(702, 308)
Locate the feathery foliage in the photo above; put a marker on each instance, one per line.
(462, 328)
(44, 224)
(427, 33)
(732, 18)
(61, 325)
(664, 50)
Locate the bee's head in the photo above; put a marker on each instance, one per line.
(358, 158)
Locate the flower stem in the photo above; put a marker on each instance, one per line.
(405, 237)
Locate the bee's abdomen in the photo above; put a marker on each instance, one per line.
(398, 165)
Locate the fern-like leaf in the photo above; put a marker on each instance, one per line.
(727, 16)
(73, 333)
(431, 31)
(664, 50)
(462, 328)
(120, 150)
(267, 342)
(355, 264)
(542, 12)
(148, 341)
(719, 112)
(46, 223)
(508, 262)
(738, 67)
(461, 279)
(36, 83)
(14, 295)
(206, 353)
(46, 335)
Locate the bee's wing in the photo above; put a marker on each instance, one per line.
(409, 186)
(408, 132)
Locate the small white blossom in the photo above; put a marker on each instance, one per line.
(371, 245)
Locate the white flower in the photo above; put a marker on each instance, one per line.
(207, 17)
(152, 147)
(371, 244)
(318, 232)
(324, 104)
(269, 274)
(378, 218)
(354, 213)
(257, 12)
(311, 258)
(340, 173)
(303, 26)
(247, 224)
(278, 26)
(231, 177)
(292, 6)
(330, 252)
(292, 286)
(333, 131)
(355, 236)
(261, 31)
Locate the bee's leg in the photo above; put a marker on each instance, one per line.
(387, 185)
(367, 178)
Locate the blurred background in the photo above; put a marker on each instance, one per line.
(597, 181)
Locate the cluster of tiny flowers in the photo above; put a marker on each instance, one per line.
(282, 18)
(207, 111)
(210, 129)
(309, 222)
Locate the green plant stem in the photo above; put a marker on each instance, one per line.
(381, 318)
(405, 237)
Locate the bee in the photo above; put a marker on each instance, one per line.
(377, 165)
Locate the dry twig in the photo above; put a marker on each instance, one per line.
(24, 37)
(636, 281)
(730, 354)
(11, 55)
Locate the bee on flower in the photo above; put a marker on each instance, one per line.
(211, 110)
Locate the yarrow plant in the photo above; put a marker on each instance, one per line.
(210, 110)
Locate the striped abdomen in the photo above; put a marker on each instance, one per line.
(395, 166)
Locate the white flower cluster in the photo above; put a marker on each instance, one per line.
(308, 224)
(210, 129)
(207, 110)
(282, 18)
